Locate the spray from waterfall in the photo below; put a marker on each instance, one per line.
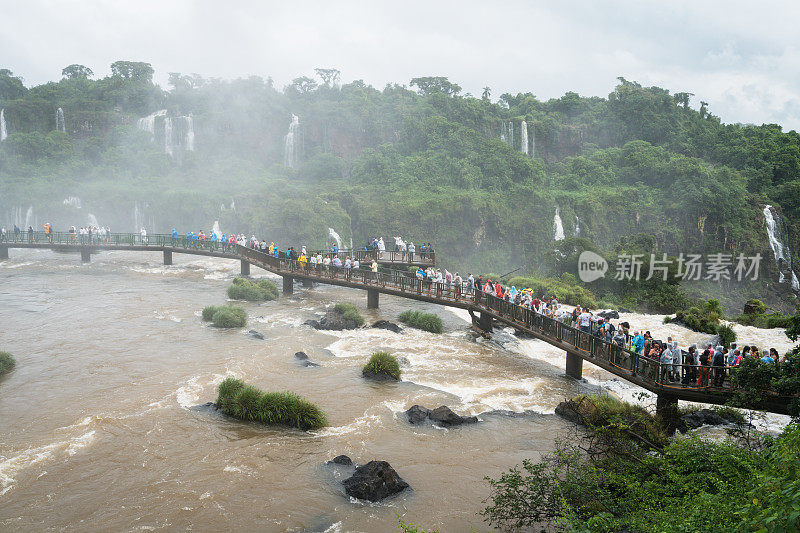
(335, 237)
(28, 217)
(60, 123)
(216, 231)
(558, 226)
(3, 130)
(523, 129)
(533, 140)
(72, 201)
(289, 155)
(93, 221)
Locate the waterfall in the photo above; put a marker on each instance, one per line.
(148, 123)
(72, 201)
(504, 133)
(60, 124)
(783, 256)
(558, 227)
(511, 134)
(93, 221)
(216, 231)
(3, 131)
(523, 128)
(168, 136)
(533, 140)
(289, 156)
(188, 142)
(577, 226)
(28, 217)
(336, 237)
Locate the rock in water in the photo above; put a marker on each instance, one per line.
(417, 414)
(567, 411)
(310, 363)
(255, 334)
(609, 314)
(332, 321)
(385, 324)
(341, 460)
(704, 417)
(374, 481)
(445, 417)
(300, 355)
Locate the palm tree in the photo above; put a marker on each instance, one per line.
(487, 92)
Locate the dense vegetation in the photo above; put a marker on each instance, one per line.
(623, 474)
(349, 312)
(423, 161)
(274, 408)
(420, 320)
(254, 291)
(7, 363)
(755, 314)
(225, 316)
(382, 364)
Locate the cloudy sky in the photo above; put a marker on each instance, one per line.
(741, 57)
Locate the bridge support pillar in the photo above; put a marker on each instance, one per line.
(574, 366)
(245, 268)
(167, 257)
(307, 283)
(86, 255)
(288, 284)
(372, 298)
(667, 411)
(3, 252)
(485, 322)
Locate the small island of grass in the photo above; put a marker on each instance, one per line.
(246, 402)
(225, 316)
(7, 363)
(349, 312)
(420, 320)
(382, 365)
(253, 291)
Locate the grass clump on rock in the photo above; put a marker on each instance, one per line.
(349, 312)
(382, 365)
(225, 316)
(246, 402)
(253, 291)
(7, 363)
(420, 320)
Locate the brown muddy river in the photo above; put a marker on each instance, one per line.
(97, 430)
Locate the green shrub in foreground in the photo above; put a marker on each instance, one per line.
(7, 363)
(254, 291)
(382, 363)
(420, 320)
(349, 312)
(229, 316)
(246, 402)
(726, 334)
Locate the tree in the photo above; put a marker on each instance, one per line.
(435, 84)
(11, 87)
(329, 76)
(682, 99)
(76, 71)
(487, 93)
(132, 70)
(188, 82)
(703, 109)
(303, 84)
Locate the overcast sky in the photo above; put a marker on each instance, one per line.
(741, 57)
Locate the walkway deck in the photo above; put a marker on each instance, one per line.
(578, 345)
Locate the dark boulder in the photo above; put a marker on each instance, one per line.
(378, 376)
(255, 334)
(403, 361)
(441, 416)
(567, 411)
(417, 414)
(309, 363)
(385, 324)
(332, 321)
(703, 417)
(374, 481)
(300, 355)
(341, 460)
(445, 417)
(609, 314)
(205, 407)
